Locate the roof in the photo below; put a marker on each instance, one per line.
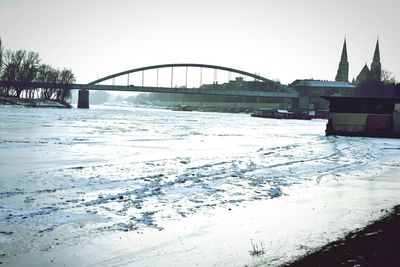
(319, 83)
(375, 90)
(367, 93)
(365, 97)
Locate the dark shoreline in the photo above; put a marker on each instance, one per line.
(32, 103)
(378, 244)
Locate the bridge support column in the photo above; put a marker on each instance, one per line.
(83, 98)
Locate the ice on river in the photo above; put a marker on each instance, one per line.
(124, 168)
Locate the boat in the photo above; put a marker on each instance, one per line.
(182, 108)
(280, 114)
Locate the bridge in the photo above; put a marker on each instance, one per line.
(259, 87)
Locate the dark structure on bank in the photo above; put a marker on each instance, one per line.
(372, 115)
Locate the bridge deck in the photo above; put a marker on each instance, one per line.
(149, 89)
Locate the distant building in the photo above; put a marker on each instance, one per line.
(311, 91)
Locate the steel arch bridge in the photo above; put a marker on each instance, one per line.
(207, 66)
(273, 84)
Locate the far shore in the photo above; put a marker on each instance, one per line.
(33, 103)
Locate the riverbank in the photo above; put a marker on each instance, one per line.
(378, 244)
(32, 103)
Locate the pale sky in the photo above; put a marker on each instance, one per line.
(285, 39)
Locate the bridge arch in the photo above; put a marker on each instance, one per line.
(255, 76)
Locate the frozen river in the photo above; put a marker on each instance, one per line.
(67, 175)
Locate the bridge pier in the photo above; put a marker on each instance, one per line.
(83, 98)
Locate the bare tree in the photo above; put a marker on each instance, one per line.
(20, 66)
(24, 67)
(47, 74)
(1, 56)
(388, 78)
(29, 70)
(17, 59)
(66, 76)
(2, 90)
(9, 71)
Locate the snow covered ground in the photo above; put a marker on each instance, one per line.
(123, 186)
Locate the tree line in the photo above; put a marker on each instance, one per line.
(26, 67)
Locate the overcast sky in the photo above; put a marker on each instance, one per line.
(285, 39)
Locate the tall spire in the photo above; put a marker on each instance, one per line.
(377, 56)
(344, 51)
(376, 69)
(343, 70)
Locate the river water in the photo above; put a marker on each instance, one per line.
(115, 168)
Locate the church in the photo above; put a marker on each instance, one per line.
(367, 74)
(311, 90)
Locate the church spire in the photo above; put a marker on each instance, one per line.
(343, 70)
(377, 56)
(344, 51)
(376, 69)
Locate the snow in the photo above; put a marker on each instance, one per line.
(197, 185)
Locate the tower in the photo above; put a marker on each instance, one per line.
(343, 70)
(376, 69)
